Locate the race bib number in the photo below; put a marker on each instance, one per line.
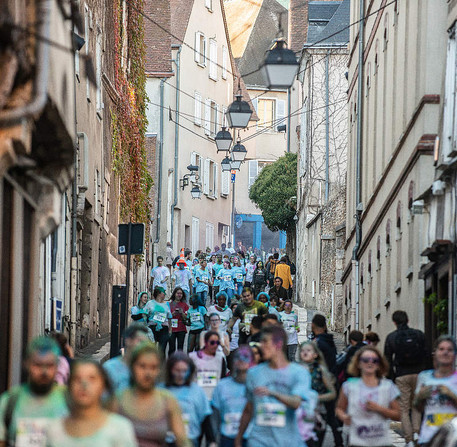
(159, 317)
(271, 415)
(174, 323)
(289, 325)
(227, 278)
(232, 423)
(31, 432)
(186, 419)
(239, 277)
(438, 419)
(195, 317)
(248, 318)
(207, 378)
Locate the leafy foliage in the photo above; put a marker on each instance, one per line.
(272, 190)
(440, 309)
(128, 116)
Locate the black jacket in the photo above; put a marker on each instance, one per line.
(326, 344)
(281, 293)
(397, 370)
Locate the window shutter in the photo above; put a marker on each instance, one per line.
(224, 118)
(193, 158)
(253, 170)
(224, 62)
(207, 117)
(208, 4)
(280, 111)
(213, 59)
(197, 47)
(225, 183)
(198, 109)
(205, 50)
(215, 189)
(216, 120)
(206, 176)
(255, 104)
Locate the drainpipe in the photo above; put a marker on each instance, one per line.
(327, 130)
(175, 171)
(159, 193)
(288, 118)
(34, 108)
(358, 186)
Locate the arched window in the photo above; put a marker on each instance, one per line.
(378, 249)
(386, 31)
(369, 262)
(388, 226)
(376, 57)
(399, 217)
(411, 195)
(368, 77)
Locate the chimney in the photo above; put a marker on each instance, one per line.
(298, 23)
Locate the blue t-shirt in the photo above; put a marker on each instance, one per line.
(226, 279)
(229, 399)
(182, 278)
(158, 314)
(216, 269)
(238, 274)
(196, 317)
(273, 423)
(194, 406)
(118, 373)
(203, 275)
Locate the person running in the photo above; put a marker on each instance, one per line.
(355, 343)
(283, 271)
(290, 323)
(193, 269)
(196, 318)
(321, 382)
(217, 267)
(89, 424)
(27, 410)
(278, 291)
(215, 326)
(246, 312)
(227, 284)
(275, 390)
(250, 268)
(178, 308)
(259, 278)
(239, 273)
(222, 310)
(117, 367)
(210, 363)
(159, 317)
(406, 353)
(367, 401)
(436, 391)
(229, 398)
(234, 336)
(202, 281)
(160, 275)
(138, 312)
(183, 278)
(196, 411)
(153, 411)
(211, 263)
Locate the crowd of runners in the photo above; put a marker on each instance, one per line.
(208, 367)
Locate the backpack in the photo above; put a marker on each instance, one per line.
(409, 347)
(273, 264)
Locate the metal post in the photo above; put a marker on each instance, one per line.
(327, 130)
(127, 281)
(233, 214)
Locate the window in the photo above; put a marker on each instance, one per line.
(106, 201)
(449, 135)
(225, 187)
(200, 49)
(271, 112)
(97, 187)
(213, 59)
(98, 69)
(210, 178)
(197, 109)
(224, 62)
(196, 160)
(211, 118)
(195, 234)
(253, 171)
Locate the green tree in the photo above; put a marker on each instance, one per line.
(274, 192)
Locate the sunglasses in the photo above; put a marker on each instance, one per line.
(373, 360)
(214, 342)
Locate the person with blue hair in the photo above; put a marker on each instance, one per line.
(221, 309)
(264, 298)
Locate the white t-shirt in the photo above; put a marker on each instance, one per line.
(234, 341)
(209, 370)
(438, 408)
(369, 427)
(117, 432)
(225, 316)
(160, 275)
(290, 323)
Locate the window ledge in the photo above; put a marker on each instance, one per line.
(211, 196)
(377, 314)
(397, 288)
(387, 302)
(201, 65)
(99, 114)
(409, 273)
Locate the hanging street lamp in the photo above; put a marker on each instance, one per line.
(226, 164)
(223, 140)
(238, 113)
(196, 192)
(280, 66)
(239, 152)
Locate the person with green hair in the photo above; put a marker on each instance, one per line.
(26, 410)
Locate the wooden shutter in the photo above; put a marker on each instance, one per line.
(253, 170)
(215, 188)
(206, 176)
(224, 62)
(207, 117)
(197, 47)
(280, 112)
(213, 59)
(225, 183)
(197, 109)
